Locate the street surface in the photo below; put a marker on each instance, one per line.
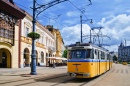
(119, 75)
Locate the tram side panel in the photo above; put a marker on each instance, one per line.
(108, 62)
(102, 66)
(94, 68)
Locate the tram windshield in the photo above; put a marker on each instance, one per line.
(80, 54)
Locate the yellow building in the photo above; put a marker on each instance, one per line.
(16, 46)
(45, 46)
(9, 34)
(59, 43)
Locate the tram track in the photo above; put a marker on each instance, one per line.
(27, 81)
(81, 81)
(53, 80)
(49, 79)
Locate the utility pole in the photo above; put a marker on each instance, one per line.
(82, 20)
(42, 8)
(81, 26)
(33, 56)
(90, 37)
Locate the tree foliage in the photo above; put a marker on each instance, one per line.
(65, 54)
(114, 58)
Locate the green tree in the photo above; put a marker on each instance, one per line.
(65, 54)
(114, 58)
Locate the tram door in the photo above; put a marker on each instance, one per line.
(4, 60)
(98, 62)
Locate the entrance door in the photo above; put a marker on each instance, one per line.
(26, 57)
(4, 60)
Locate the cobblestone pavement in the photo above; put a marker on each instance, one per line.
(119, 75)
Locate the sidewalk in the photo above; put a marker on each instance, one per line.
(118, 76)
(7, 74)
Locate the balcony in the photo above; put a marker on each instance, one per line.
(51, 49)
(26, 40)
(40, 45)
(29, 41)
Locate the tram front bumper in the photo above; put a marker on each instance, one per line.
(78, 75)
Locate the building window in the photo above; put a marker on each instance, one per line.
(26, 31)
(42, 57)
(42, 39)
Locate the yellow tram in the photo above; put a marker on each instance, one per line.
(86, 60)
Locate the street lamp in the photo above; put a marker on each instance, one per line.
(42, 8)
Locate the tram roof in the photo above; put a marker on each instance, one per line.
(87, 44)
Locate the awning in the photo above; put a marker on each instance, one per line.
(57, 58)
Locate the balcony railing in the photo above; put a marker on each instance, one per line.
(26, 40)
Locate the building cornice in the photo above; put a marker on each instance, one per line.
(12, 9)
(38, 24)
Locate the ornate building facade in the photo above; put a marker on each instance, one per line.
(59, 43)
(9, 34)
(16, 46)
(123, 53)
(45, 46)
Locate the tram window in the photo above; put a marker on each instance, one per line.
(92, 54)
(107, 56)
(78, 54)
(88, 53)
(72, 55)
(102, 55)
(98, 54)
(95, 52)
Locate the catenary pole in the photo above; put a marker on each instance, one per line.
(81, 27)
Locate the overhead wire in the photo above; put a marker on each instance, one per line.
(52, 18)
(78, 8)
(22, 6)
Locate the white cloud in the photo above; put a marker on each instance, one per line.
(117, 28)
(72, 34)
(70, 22)
(128, 11)
(72, 14)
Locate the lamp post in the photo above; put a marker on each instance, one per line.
(33, 56)
(42, 8)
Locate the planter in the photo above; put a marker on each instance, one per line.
(33, 35)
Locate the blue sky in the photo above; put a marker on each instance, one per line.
(113, 16)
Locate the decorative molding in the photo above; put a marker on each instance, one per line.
(29, 41)
(40, 45)
(26, 40)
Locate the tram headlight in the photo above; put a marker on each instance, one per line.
(73, 74)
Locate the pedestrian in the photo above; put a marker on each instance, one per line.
(49, 63)
(54, 65)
